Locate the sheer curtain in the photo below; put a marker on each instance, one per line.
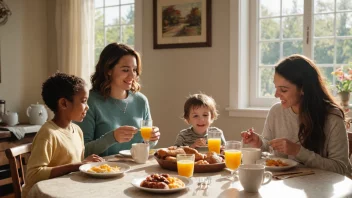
(74, 22)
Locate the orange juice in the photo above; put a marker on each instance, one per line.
(233, 159)
(185, 168)
(214, 145)
(146, 133)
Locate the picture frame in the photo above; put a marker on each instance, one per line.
(181, 23)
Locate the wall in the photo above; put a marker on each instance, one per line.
(170, 75)
(23, 55)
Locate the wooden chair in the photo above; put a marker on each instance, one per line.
(15, 156)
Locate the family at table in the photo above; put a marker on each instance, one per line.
(306, 126)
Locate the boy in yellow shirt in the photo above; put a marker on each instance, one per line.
(58, 147)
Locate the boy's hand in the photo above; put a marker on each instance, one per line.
(199, 142)
(93, 158)
(124, 133)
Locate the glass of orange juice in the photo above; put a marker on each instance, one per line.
(185, 164)
(214, 141)
(233, 155)
(146, 129)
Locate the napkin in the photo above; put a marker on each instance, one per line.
(19, 132)
(293, 173)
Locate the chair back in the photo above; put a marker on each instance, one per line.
(15, 156)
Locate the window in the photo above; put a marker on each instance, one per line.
(117, 21)
(319, 29)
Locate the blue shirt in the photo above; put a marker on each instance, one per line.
(106, 115)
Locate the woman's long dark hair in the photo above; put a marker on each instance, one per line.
(109, 57)
(316, 102)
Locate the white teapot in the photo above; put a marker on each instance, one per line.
(10, 118)
(37, 114)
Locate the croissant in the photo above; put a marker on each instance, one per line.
(172, 147)
(189, 150)
(170, 158)
(173, 153)
(201, 162)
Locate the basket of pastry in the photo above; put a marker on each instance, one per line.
(209, 162)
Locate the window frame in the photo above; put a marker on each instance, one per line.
(254, 99)
(241, 65)
(138, 25)
(239, 62)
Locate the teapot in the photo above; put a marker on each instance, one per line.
(37, 114)
(10, 118)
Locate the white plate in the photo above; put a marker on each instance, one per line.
(137, 183)
(123, 168)
(127, 153)
(291, 164)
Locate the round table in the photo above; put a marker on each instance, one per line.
(77, 184)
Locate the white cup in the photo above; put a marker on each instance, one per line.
(251, 155)
(140, 152)
(252, 176)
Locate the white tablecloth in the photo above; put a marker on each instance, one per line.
(77, 184)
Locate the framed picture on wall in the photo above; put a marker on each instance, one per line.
(181, 23)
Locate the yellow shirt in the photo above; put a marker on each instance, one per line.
(52, 146)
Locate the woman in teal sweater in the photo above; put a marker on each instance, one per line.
(116, 107)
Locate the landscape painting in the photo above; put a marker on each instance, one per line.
(182, 20)
(182, 23)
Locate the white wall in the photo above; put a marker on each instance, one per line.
(170, 75)
(23, 55)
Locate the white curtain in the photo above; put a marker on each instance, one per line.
(74, 22)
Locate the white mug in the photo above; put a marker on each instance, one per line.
(252, 176)
(251, 155)
(140, 152)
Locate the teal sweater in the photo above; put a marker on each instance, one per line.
(106, 115)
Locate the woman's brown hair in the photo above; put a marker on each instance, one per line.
(109, 57)
(316, 103)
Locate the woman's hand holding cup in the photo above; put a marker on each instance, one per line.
(124, 133)
(155, 134)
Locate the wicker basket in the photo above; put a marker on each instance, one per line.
(170, 165)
